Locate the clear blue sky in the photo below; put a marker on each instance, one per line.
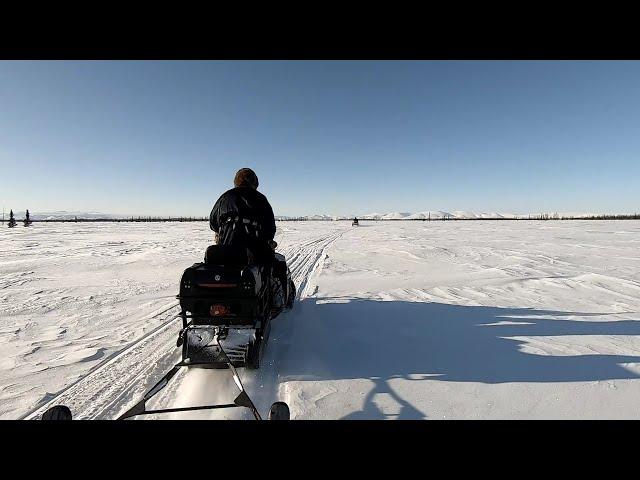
(345, 137)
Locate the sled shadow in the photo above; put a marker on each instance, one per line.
(379, 341)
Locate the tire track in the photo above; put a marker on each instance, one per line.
(306, 259)
(306, 262)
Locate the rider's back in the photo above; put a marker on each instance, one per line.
(243, 217)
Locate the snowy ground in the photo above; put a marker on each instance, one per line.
(395, 320)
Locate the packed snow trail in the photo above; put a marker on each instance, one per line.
(115, 385)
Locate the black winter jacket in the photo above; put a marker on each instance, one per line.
(243, 203)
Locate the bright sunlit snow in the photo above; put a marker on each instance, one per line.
(397, 320)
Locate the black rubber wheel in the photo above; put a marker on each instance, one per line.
(279, 411)
(59, 412)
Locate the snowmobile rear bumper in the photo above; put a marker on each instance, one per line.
(201, 346)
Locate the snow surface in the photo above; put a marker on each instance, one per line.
(403, 320)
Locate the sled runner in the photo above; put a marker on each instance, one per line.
(278, 411)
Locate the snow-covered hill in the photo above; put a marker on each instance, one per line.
(429, 214)
(463, 215)
(434, 215)
(422, 215)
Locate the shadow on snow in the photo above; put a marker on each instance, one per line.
(382, 340)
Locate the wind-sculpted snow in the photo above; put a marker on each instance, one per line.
(394, 320)
(73, 295)
(115, 384)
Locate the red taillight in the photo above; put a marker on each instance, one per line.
(219, 310)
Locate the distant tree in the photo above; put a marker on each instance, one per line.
(27, 219)
(12, 220)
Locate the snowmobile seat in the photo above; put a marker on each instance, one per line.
(227, 255)
(232, 257)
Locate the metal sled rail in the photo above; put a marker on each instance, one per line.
(278, 411)
(242, 400)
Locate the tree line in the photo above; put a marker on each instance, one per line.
(130, 219)
(543, 216)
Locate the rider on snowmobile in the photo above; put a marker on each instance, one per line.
(243, 217)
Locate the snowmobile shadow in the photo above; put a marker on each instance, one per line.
(383, 340)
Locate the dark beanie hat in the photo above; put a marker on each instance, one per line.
(245, 177)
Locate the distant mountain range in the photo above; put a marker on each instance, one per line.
(433, 215)
(425, 215)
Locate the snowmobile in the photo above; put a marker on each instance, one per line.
(228, 297)
(355, 222)
(227, 304)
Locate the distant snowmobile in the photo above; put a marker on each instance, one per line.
(227, 305)
(355, 222)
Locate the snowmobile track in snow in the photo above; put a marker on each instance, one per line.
(89, 396)
(304, 260)
(108, 389)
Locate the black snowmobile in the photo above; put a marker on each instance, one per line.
(355, 222)
(227, 298)
(227, 305)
